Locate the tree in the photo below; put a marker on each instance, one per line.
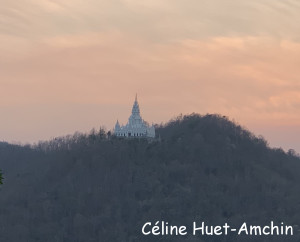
(1, 178)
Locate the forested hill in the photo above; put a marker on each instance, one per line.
(96, 187)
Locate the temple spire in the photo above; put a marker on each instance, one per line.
(136, 108)
(136, 126)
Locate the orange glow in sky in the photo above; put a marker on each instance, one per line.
(69, 66)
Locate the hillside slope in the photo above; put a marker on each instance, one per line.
(88, 188)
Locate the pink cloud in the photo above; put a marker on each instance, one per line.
(251, 79)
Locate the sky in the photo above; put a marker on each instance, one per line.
(71, 65)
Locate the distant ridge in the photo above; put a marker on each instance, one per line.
(96, 187)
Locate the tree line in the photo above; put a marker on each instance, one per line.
(97, 187)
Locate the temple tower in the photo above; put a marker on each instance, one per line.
(136, 127)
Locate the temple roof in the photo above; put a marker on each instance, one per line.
(136, 126)
(136, 108)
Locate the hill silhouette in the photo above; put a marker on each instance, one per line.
(96, 187)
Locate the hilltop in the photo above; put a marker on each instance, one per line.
(97, 187)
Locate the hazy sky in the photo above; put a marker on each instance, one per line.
(68, 65)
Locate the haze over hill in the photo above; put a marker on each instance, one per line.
(97, 187)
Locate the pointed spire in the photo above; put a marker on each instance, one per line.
(136, 108)
(117, 126)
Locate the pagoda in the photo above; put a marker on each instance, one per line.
(136, 127)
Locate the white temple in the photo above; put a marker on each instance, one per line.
(136, 126)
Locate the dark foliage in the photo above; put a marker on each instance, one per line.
(96, 187)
